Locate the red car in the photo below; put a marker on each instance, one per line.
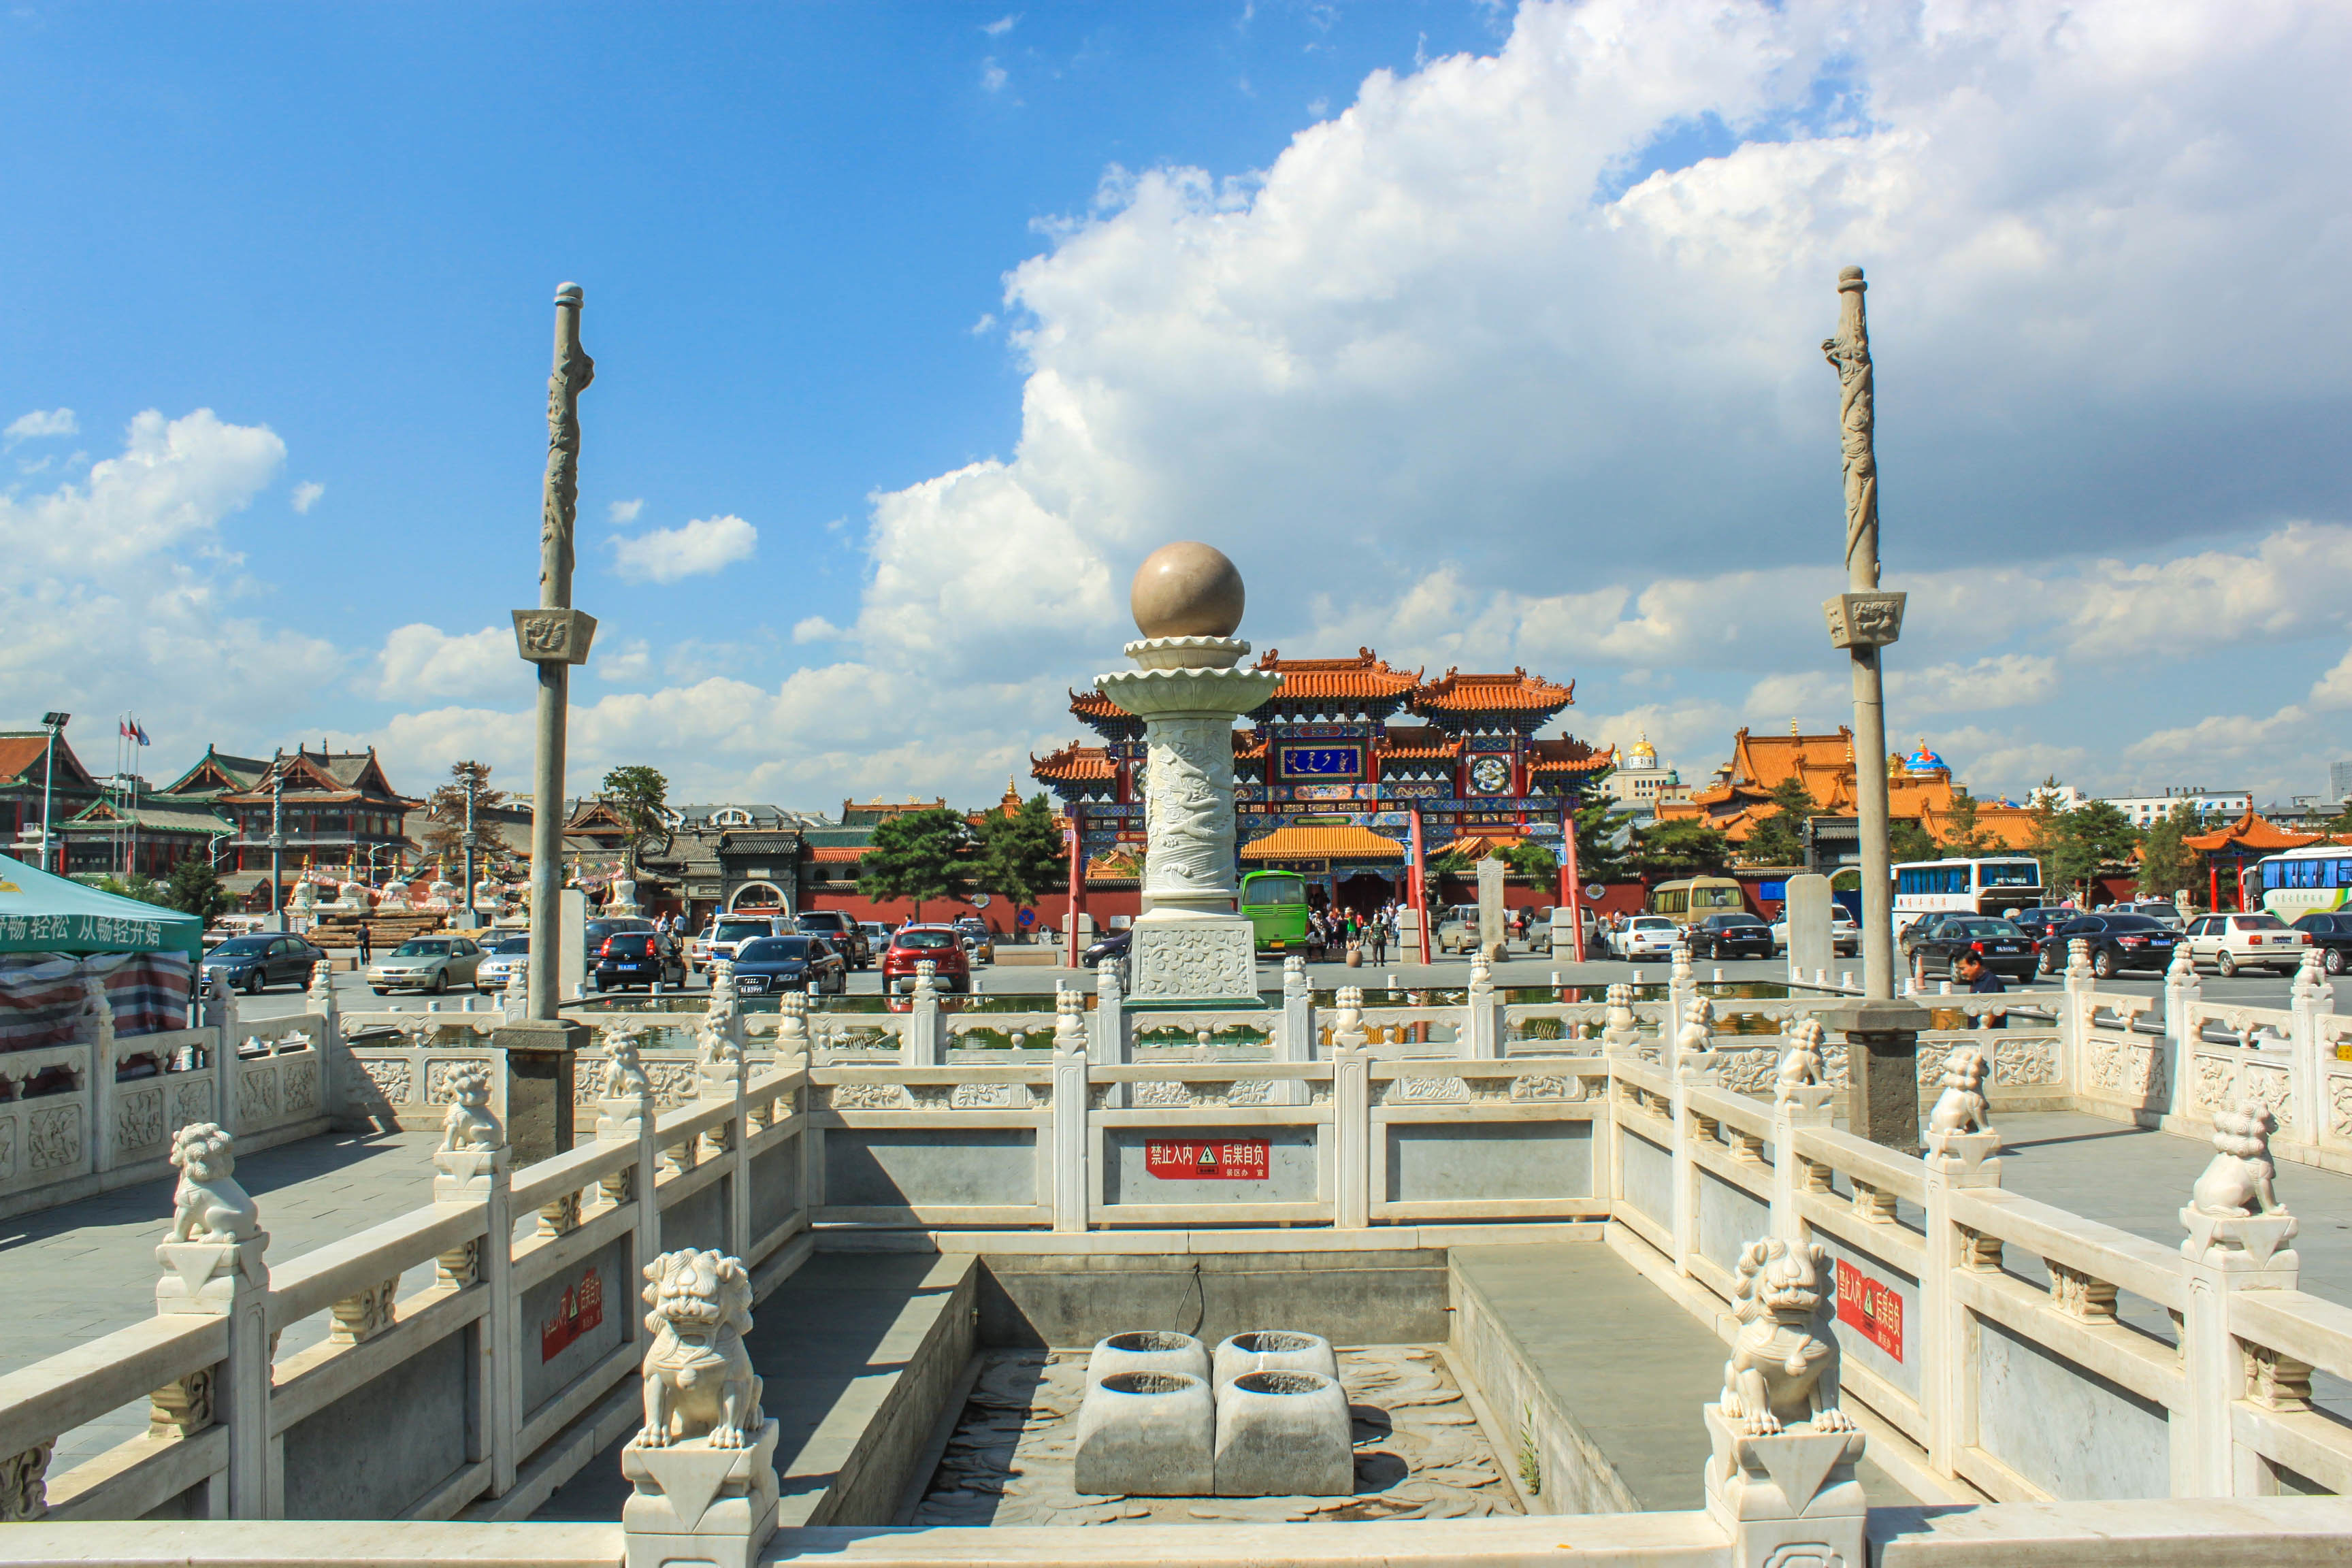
(940, 945)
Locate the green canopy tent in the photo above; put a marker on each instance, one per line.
(41, 913)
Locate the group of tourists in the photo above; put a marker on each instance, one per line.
(1331, 932)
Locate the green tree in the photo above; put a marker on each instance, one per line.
(1962, 839)
(444, 809)
(1778, 839)
(1021, 854)
(1682, 847)
(195, 888)
(2166, 864)
(1602, 840)
(138, 884)
(921, 856)
(2073, 845)
(1906, 840)
(638, 794)
(1533, 861)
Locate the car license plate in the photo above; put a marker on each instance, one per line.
(754, 983)
(2004, 947)
(628, 968)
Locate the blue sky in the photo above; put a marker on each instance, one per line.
(1479, 335)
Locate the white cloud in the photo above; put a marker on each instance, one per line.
(419, 660)
(306, 496)
(1001, 25)
(991, 76)
(814, 628)
(666, 555)
(173, 484)
(981, 327)
(39, 424)
(623, 512)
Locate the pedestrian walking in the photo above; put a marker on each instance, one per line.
(1380, 934)
(364, 943)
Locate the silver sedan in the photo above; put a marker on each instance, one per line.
(435, 964)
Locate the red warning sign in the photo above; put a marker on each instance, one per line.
(1207, 1159)
(581, 1309)
(1871, 1308)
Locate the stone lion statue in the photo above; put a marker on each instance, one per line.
(1800, 1058)
(208, 1204)
(1784, 1362)
(469, 1124)
(1698, 1026)
(624, 1070)
(1961, 1108)
(2237, 1184)
(697, 1375)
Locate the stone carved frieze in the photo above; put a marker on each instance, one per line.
(138, 1119)
(867, 1097)
(1214, 961)
(1162, 1094)
(7, 1147)
(192, 1102)
(24, 1485)
(2216, 1081)
(257, 1096)
(989, 1097)
(2339, 1106)
(394, 1081)
(53, 1137)
(301, 1087)
(1421, 1091)
(2266, 1084)
(2025, 1061)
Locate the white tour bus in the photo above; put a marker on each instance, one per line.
(1992, 887)
(2315, 879)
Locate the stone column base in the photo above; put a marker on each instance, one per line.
(1198, 960)
(1787, 1499)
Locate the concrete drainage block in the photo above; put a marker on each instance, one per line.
(1151, 1433)
(1283, 1433)
(1274, 1349)
(1150, 1350)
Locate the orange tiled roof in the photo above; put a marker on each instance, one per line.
(2250, 832)
(1366, 676)
(837, 854)
(1074, 764)
(1341, 841)
(1478, 846)
(1518, 692)
(1565, 755)
(1413, 742)
(1092, 704)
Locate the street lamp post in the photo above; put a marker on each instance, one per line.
(1882, 1032)
(276, 838)
(53, 722)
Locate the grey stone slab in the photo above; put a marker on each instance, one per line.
(1631, 1367)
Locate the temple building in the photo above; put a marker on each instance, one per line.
(337, 807)
(1334, 767)
(1919, 789)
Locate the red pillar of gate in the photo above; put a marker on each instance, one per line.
(1077, 876)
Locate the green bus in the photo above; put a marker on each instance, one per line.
(1275, 902)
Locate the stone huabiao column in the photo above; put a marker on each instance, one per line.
(1190, 946)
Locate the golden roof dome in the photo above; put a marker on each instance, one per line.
(1642, 749)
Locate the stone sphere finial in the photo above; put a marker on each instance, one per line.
(1187, 590)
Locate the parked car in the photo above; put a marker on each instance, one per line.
(1646, 936)
(1455, 933)
(698, 948)
(500, 961)
(2332, 934)
(2231, 943)
(732, 931)
(877, 937)
(435, 964)
(848, 935)
(1112, 945)
(1845, 936)
(2163, 912)
(979, 941)
(597, 931)
(1933, 945)
(768, 964)
(255, 963)
(636, 958)
(2118, 943)
(939, 945)
(2037, 922)
(1730, 936)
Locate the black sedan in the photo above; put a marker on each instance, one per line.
(2037, 922)
(1114, 946)
(2332, 935)
(1730, 936)
(773, 963)
(1933, 946)
(254, 963)
(637, 958)
(2118, 943)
